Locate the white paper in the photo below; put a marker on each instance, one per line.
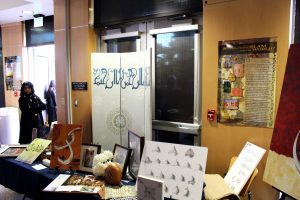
(39, 167)
(243, 167)
(181, 167)
(60, 179)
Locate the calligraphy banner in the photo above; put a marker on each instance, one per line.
(120, 97)
(283, 167)
(246, 82)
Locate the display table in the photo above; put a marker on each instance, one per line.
(22, 178)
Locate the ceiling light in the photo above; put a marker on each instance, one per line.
(27, 12)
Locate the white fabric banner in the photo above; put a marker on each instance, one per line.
(120, 97)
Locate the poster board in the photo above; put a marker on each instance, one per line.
(120, 97)
(283, 167)
(180, 167)
(243, 167)
(33, 150)
(246, 84)
(66, 146)
(13, 72)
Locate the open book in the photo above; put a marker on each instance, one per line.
(237, 176)
(75, 183)
(217, 188)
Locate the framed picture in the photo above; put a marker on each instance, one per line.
(121, 156)
(136, 144)
(88, 152)
(12, 150)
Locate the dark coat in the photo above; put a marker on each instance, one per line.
(51, 106)
(31, 107)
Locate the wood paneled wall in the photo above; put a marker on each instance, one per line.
(82, 43)
(60, 60)
(231, 20)
(12, 44)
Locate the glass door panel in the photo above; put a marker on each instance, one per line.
(175, 117)
(174, 77)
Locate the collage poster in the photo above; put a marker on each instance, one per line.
(246, 82)
(13, 73)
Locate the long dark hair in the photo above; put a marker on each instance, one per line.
(29, 84)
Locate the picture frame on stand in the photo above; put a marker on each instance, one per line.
(88, 152)
(121, 156)
(136, 144)
(12, 150)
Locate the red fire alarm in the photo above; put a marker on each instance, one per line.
(211, 115)
(15, 93)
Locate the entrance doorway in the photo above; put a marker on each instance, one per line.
(41, 69)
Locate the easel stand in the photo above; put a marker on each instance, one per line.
(283, 195)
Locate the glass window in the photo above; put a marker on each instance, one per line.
(121, 45)
(174, 77)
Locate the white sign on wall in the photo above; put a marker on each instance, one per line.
(120, 97)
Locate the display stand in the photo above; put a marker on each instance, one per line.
(283, 195)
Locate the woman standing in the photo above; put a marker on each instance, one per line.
(51, 103)
(31, 107)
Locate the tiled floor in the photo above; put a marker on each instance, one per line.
(7, 194)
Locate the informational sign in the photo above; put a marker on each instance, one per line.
(180, 167)
(120, 97)
(243, 167)
(79, 86)
(283, 166)
(13, 73)
(247, 82)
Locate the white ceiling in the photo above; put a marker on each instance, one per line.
(12, 10)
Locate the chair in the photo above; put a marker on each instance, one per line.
(246, 189)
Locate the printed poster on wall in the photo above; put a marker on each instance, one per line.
(13, 73)
(283, 166)
(246, 84)
(120, 97)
